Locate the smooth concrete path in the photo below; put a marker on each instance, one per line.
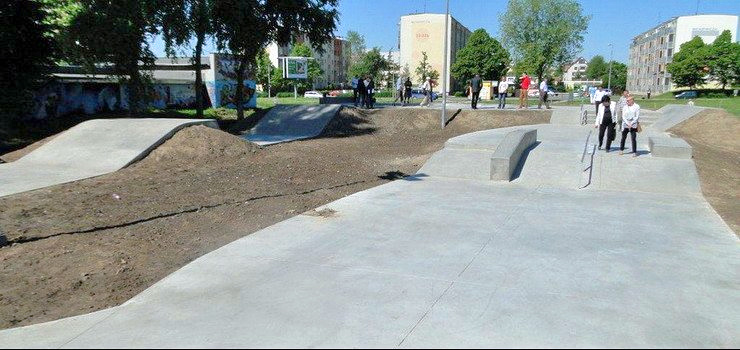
(289, 123)
(637, 259)
(89, 149)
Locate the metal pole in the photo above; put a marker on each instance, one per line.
(269, 71)
(611, 53)
(444, 67)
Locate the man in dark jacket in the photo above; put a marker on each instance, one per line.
(361, 92)
(476, 84)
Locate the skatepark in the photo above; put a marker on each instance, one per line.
(523, 236)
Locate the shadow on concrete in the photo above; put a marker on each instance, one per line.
(522, 160)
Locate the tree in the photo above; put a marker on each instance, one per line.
(424, 69)
(264, 70)
(724, 59)
(245, 27)
(27, 52)
(181, 20)
(357, 47)
(597, 68)
(314, 69)
(619, 76)
(372, 63)
(117, 32)
(481, 55)
(391, 70)
(689, 66)
(543, 33)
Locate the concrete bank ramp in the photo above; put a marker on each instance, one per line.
(290, 123)
(89, 149)
(672, 115)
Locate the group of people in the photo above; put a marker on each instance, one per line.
(364, 91)
(625, 113)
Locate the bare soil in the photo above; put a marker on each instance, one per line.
(714, 136)
(95, 243)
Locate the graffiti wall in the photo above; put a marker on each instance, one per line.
(221, 84)
(58, 99)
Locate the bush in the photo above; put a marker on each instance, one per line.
(459, 94)
(285, 94)
(384, 93)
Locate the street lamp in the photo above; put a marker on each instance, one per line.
(611, 53)
(444, 68)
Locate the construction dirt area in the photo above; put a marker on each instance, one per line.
(95, 243)
(714, 136)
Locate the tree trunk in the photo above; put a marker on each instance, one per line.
(134, 88)
(198, 78)
(238, 100)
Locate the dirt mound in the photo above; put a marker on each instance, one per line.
(713, 135)
(198, 143)
(18, 154)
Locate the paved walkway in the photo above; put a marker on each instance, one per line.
(637, 259)
(89, 149)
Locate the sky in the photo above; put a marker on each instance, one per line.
(612, 21)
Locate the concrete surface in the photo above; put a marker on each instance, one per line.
(89, 149)
(510, 151)
(669, 147)
(289, 123)
(637, 259)
(673, 115)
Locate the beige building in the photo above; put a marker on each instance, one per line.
(425, 33)
(334, 61)
(652, 50)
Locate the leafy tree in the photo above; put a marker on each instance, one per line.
(27, 52)
(481, 55)
(181, 20)
(391, 71)
(314, 69)
(372, 64)
(406, 72)
(357, 47)
(689, 66)
(542, 34)
(619, 76)
(59, 16)
(724, 59)
(597, 68)
(245, 27)
(117, 32)
(265, 69)
(424, 69)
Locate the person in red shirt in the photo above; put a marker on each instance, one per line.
(525, 81)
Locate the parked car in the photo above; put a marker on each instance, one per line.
(687, 94)
(313, 94)
(417, 93)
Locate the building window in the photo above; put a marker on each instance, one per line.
(670, 38)
(667, 81)
(670, 52)
(660, 54)
(662, 40)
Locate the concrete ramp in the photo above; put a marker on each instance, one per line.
(290, 123)
(89, 149)
(672, 115)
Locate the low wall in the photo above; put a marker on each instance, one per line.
(508, 153)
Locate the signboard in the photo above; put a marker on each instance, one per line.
(295, 67)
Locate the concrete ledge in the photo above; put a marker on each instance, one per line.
(509, 152)
(669, 147)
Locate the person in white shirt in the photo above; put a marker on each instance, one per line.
(620, 106)
(427, 89)
(598, 95)
(543, 94)
(502, 87)
(399, 91)
(605, 119)
(630, 123)
(355, 83)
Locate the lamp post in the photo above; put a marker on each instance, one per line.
(611, 53)
(444, 67)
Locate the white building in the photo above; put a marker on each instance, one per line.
(425, 32)
(652, 50)
(575, 74)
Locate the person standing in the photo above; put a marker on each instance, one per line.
(630, 123)
(426, 89)
(475, 86)
(407, 91)
(605, 121)
(502, 87)
(598, 95)
(355, 88)
(648, 93)
(399, 90)
(523, 98)
(544, 90)
(369, 92)
(361, 92)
